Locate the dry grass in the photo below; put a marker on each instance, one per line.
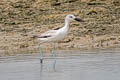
(20, 19)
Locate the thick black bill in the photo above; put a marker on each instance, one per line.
(78, 19)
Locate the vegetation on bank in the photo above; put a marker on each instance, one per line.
(21, 19)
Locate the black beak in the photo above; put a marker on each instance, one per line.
(79, 20)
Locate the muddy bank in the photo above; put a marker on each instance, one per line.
(21, 19)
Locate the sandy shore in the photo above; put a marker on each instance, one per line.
(21, 19)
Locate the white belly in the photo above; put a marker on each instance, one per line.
(60, 35)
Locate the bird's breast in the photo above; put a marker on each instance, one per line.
(62, 34)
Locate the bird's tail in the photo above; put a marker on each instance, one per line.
(37, 37)
(34, 37)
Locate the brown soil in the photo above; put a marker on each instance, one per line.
(21, 19)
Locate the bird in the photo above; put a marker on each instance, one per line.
(55, 35)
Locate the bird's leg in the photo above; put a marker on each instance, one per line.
(53, 55)
(41, 55)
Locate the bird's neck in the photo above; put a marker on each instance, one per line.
(67, 22)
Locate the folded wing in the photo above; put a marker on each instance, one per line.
(47, 34)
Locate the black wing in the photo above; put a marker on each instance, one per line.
(57, 28)
(42, 36)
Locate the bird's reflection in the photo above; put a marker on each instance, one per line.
(41, 71)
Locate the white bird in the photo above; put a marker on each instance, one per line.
(56, 35)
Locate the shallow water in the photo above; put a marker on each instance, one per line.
(71, 65)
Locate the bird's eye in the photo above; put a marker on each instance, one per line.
(70, 16)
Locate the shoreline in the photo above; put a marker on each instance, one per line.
(21, 19)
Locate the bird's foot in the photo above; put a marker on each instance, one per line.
(41, 61)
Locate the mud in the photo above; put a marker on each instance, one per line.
(21, 19)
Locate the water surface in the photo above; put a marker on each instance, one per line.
(71, 65)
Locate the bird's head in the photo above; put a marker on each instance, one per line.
(71, 17)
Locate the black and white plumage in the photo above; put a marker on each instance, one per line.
(59, 33)
(56, 35)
